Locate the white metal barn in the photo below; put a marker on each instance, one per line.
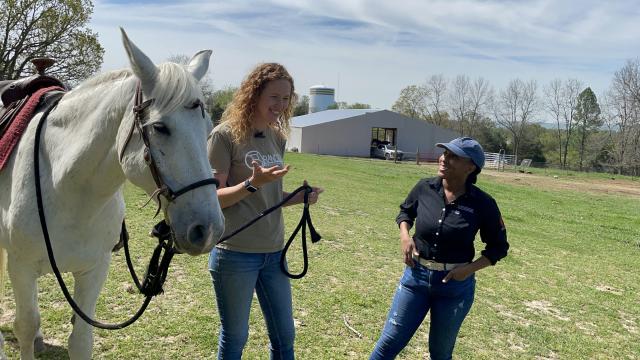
(351, 132)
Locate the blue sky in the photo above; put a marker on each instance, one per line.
(370, 50)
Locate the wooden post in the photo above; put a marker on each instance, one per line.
(418, 155)
(395, 154)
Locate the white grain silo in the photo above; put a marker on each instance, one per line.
(320, 98)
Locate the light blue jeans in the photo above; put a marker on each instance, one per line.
(235, 276)
(419, 291)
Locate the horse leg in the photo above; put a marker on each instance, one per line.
(86, 290)
(27, 322)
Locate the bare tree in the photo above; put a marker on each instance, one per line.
(623, 117)
(459, 102)
(560, 101)
(479, 97)
(514, 107)
(436, 88)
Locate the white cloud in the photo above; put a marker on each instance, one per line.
(370, 50)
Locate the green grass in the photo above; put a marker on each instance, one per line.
(569, 288)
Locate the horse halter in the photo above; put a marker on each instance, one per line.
(162, 188)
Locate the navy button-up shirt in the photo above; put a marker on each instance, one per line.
(446, 232)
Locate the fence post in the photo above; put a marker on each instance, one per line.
(418, 155)
(395, 154)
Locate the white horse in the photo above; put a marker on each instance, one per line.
(82, 181)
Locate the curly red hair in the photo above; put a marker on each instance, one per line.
(239, 113)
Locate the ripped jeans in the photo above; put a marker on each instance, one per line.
(419, 291)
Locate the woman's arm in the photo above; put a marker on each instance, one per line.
(230, 195)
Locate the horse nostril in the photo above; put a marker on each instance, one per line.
(196, 234)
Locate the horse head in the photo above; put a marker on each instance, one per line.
(168, 153)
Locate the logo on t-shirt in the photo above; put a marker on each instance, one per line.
(265, 161)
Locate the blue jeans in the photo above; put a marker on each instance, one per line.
(419, 291)
(235, 276)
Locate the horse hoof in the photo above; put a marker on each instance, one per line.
(38, 344)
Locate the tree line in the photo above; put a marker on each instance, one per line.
(564, 124)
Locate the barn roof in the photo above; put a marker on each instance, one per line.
(326, 116)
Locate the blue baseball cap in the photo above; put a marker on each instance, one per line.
(466, 147)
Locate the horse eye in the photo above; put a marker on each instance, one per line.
(161, 128)
(195, 104)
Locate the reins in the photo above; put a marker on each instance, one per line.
(47, 241)
(158, 267)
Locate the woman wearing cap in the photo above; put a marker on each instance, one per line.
(448, 210)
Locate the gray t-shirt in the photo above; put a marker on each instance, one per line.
(227, 157)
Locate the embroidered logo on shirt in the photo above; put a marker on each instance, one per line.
(268, 160)
(466, 208)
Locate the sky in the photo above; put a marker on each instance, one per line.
(370, 50)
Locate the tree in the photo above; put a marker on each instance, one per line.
(514, 108)
(623, 118)
(48, 28)
(345, 105)
(459, 101)
(217, 102)
(302, 107)
(411, 102)
(560, 102)
(480, 96)
(587, 118)
(436, 88)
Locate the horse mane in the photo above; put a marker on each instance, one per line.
(174, 87)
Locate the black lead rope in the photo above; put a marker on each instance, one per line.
(156, 274)
(304, 221)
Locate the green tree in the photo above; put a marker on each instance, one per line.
(587, 120)
(345, 105)
(302, 107)
(48, 28)
(217, 102)
(412, 102)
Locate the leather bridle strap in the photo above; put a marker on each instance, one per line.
(140, 115)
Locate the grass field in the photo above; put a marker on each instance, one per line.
(569, 289)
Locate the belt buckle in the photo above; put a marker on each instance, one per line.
(429, 264)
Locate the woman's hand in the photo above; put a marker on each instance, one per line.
(262, 176)
(459, 274)
(313, 195)
(408, 247)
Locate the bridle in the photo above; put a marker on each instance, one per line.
(140, 115)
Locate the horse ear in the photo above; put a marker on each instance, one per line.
(141, 65)
(199, 64)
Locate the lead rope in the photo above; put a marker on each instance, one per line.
(162, 230)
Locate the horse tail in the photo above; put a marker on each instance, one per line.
(3, 271)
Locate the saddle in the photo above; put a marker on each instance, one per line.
(15, 93)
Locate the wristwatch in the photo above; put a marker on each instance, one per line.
(249, 187)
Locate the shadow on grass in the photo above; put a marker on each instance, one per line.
(51, 352)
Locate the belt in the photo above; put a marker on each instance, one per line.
(433, 265)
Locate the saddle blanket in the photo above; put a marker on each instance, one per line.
(17, 127)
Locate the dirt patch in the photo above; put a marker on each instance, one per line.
(593, 186)
(545, 308)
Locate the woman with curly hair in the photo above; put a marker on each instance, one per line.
(246, 154)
